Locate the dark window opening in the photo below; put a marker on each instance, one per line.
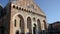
(17, 7)
(2, 30)
(20, 8)
(13, 6)
(20, 23)
(15, 23)
(24, 9)
(17, 32)
(45, 24)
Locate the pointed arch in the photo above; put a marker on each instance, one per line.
(22, 24)
(45, 24)
(29, 25)
(39, 24)
(20, 20)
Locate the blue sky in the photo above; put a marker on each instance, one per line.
(50, 7)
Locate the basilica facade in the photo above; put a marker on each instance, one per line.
(23, 17)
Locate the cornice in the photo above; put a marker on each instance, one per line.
(26, 10)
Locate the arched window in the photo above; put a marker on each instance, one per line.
(29, 25)
(28, 22)
(39, 24)
(34, 19)
(19, 22)
(15, 22)
(45, 24)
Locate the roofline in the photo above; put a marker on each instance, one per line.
(1, 5)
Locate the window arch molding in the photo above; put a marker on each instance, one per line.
(29, 24)
(39, 24)
(45, 26)
(22, 22)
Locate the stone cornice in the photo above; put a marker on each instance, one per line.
(26, 10)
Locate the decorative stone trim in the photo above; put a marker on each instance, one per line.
(27, 10)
